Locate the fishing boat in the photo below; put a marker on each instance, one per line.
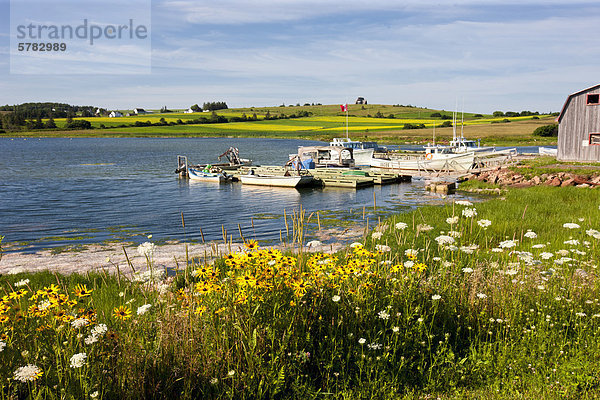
(205, 176)
(291, 181)
(362, 152)
(325, 156)
(440, 159)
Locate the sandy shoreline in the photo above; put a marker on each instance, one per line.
(108, 258)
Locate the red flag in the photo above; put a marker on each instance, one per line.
(344, 107)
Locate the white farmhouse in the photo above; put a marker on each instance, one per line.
(115, 114)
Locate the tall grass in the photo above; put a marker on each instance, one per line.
(497, 299)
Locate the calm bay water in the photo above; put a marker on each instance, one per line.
(59, 191)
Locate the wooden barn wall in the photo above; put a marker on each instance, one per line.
(578, 122)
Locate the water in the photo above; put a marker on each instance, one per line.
(59, 191)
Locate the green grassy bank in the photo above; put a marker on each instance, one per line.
(498, 299)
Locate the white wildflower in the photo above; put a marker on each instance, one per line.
(436, 297)
(443, 240)
(214, 381)
(484, 223)
(231, 372)
(401, 225)
(482, 295)
(452, 220)
(377, 235)
(146, 249)
(571, 225)
(470, 249)
(508, 244)
(545, 255)
(572, 242)
(411, 252)
(511, 272)
(22, 282)
(27, 373)
(454, 234)
(538, 246)
(383, 248)
(467, 270)
(469, 212)
(91, 339)
(2, 345)
(355, 245)
(383, 315)
(362, 341)
(530, 234)
(464, 203)
(424, 227)
(497, 250)
(99, 330)
(78, 360)
(141, 310)
(336, 298)
(396, 329)
(79, 323)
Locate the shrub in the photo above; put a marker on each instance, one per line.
(546, 131)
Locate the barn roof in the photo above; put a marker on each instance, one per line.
(562, 111)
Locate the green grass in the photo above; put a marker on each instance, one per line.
(499, 313)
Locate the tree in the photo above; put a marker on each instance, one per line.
(546, 131)
(196, 108)
(498, 114)
(69, 118)
(50, 124)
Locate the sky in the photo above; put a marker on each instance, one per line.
(488, 55)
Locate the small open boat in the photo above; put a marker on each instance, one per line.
(277, 180)
(198, 175)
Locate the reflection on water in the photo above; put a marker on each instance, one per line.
(53, 190)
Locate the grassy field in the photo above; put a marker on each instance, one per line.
(325, 122)
(494, 300)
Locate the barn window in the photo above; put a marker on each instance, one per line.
(594, 138)
(593, 98)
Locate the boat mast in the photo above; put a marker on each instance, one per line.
(434, 133)
(462, 123)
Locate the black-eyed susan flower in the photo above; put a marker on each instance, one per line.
(122, 312)
(251, 244)
(82, 291)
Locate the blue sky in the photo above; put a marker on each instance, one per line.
(493, 55)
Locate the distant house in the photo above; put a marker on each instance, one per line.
(189, 111)
(579, 126)
(360, 100)
(98, 111)
(115, 114)
(139, 111)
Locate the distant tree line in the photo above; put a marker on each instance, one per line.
(33, 111)
(514, 114)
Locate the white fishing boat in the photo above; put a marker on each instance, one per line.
(292, 181)
(362, 152)
(547, 151)
(205, 176)
(326, 156)
(440, 159)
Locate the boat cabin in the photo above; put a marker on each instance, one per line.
(326, 156)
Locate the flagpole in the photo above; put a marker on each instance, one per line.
(346, 120)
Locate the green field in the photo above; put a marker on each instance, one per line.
(324, 123)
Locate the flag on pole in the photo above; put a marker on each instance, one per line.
(344, 107)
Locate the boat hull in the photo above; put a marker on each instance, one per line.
(451, 162)
(279, 181)
(196, 175)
